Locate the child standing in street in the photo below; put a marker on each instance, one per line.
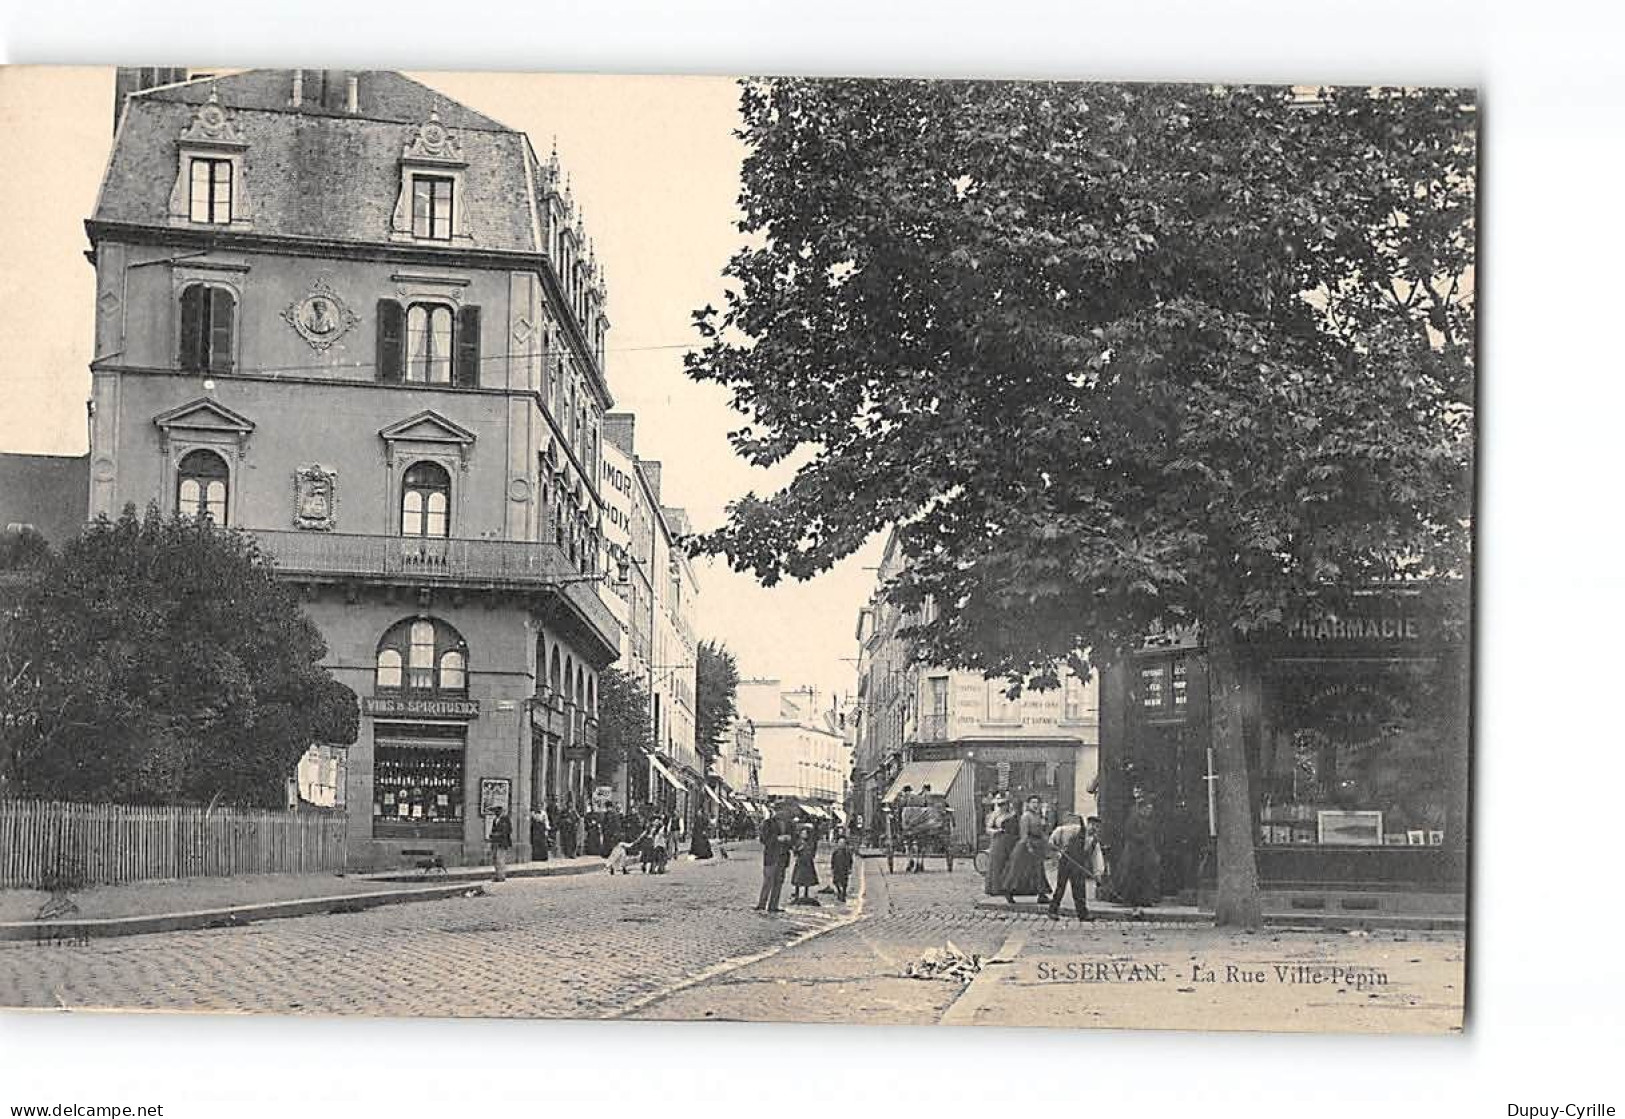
(840, 863)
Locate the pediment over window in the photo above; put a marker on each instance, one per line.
(204, 418)
(428, 427)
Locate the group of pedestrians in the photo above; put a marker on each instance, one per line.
(1019, 849)
(783, 841)
(1021, 844)
(644, 832)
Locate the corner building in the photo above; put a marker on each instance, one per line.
(364, 323)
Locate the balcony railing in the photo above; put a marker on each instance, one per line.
(507, 563)
(932, 728)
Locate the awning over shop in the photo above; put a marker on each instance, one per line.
(939, 775)
(816, 811)
(712, 793)
(659, 767)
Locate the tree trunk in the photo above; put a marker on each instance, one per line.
(1238, 904)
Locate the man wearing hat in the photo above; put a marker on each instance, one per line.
(1078, 845)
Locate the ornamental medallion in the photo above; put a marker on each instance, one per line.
(321, 317)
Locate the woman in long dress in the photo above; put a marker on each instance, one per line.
(1024, 873)
(700, 848)
(1137, 877)
(805, 875)
(1003, 826)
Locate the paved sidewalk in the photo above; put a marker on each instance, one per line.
(190, 895)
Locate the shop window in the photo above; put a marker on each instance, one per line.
(426, 501)
(417, 781)
(432, 200)
(202, 486)
(1360, 758)
(422, 655)
(211, 191)
(208, 323)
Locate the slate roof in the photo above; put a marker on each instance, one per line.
(316, 173)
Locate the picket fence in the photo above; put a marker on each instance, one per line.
(53, 844)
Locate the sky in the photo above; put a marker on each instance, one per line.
(655, 165)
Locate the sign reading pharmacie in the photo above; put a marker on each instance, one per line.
(408, 707)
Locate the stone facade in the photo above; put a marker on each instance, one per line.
(1044, 743)
(364, 323)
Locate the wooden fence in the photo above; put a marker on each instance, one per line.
(51, 844)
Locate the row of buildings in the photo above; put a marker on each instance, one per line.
(1355, 727)
(366, 324)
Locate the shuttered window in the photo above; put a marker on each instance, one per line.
(428, 344)
(208, 320)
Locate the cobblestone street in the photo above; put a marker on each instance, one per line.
(688, 946)
(581, 946)
(1043, 973)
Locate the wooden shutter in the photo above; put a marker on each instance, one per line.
(222, 307)
(466, 374)
(192, 319)
(391, 340)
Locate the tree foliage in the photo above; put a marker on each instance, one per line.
(624, 731)
(1115, 359)
(161, 661)
(715, 693)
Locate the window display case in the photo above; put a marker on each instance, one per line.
(418, 787)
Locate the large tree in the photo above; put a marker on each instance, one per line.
(624, 732)
(161, 662)
(716, 689)
(1116, 360)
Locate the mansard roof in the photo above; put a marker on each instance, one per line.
(322, 174)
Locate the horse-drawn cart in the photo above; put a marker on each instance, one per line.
(921, 827)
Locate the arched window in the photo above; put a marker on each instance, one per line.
(422, 655)
(202, 485)
(428, 343)
(426, 501)
(208, 319)
(389, 668)
(453, 672)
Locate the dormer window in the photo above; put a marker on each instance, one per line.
(209, 186)
(429, 207)
(211, 191)
(432, 201)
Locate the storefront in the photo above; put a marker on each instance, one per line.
(419, 767)
(1047, 770)
(1355, 727)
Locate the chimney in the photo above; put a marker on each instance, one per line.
(620, 429)
(136, 79)
(333, 90)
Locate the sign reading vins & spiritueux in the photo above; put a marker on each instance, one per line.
(406, 707)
